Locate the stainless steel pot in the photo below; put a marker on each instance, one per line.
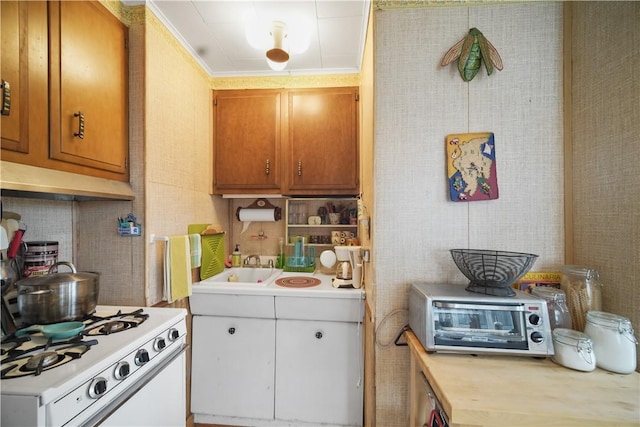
(58, 297)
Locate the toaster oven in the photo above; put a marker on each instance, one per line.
(448, 318)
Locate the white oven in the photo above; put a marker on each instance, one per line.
(126, 368)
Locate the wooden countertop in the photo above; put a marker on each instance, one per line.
(525, 391)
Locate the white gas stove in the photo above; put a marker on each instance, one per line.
(125, 359)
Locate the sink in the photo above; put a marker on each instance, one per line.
(246, 276)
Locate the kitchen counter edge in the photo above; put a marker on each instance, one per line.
(525, 391)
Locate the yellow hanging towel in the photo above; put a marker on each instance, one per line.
(180, 268)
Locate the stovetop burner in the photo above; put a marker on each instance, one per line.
(106, 325)
(20, 362)
(34, 354)
(41, 360)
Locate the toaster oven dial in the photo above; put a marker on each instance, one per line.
(536, 337)
(534, 319)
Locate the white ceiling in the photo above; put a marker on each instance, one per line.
(213, 32)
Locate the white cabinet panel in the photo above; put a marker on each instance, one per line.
(319, 372)
(336, 309)
(233, 366)
(233, 305)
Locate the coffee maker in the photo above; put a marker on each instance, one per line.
(348, 267)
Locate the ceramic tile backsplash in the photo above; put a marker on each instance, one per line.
(418, 103)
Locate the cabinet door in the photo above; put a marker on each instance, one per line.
(23, 57)
(233, 366)
(322, 152)
(319, 372)
(247, 140)
(88, 74)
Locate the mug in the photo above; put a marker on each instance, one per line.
(334, 218)
(314, 220)
(335, 237)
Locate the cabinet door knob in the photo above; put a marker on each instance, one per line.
(232, 331)
(299, 167)
(6, 98)
(80, 133)
(318, 334)
(267, 169)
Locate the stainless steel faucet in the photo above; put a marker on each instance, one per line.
(247, 261)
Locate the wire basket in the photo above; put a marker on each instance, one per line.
(492, 272)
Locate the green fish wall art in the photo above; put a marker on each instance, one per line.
(470, 51)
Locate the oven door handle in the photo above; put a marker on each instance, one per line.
(114, 405)
(506, 307)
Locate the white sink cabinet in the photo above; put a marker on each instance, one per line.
(272, 356)
(232, 366)
(319, 372)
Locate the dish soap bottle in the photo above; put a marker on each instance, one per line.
(280, 259)
(236, 257)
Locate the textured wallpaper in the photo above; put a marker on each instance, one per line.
(417, 104)
(178, 148)
(606, 149)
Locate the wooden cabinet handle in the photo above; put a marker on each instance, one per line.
(299, 167)
(6, 98)
(267, 169)
(80, 133)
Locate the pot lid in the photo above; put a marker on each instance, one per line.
(58, 278)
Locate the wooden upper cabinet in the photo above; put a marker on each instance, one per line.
(247, 140)
(66, 63)
(322, 142)
(23, 76)
(292, 142)
(88, 93)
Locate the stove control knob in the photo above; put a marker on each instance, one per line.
(98, 387)
(174, 334)
(142, 357)
(159, 344)
(122, 370)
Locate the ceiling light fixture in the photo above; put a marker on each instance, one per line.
(277, 39)
(277, 56)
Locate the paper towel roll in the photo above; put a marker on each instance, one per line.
(266, 215)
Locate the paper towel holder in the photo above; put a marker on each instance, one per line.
(262, 204)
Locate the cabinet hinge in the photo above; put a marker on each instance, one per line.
(357, 97)
(126, 42)
(126, 163)
(215, 102)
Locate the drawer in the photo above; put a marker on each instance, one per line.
(257, 306)
(333, 309)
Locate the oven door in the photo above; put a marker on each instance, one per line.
(489, 326)
(157, 399)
